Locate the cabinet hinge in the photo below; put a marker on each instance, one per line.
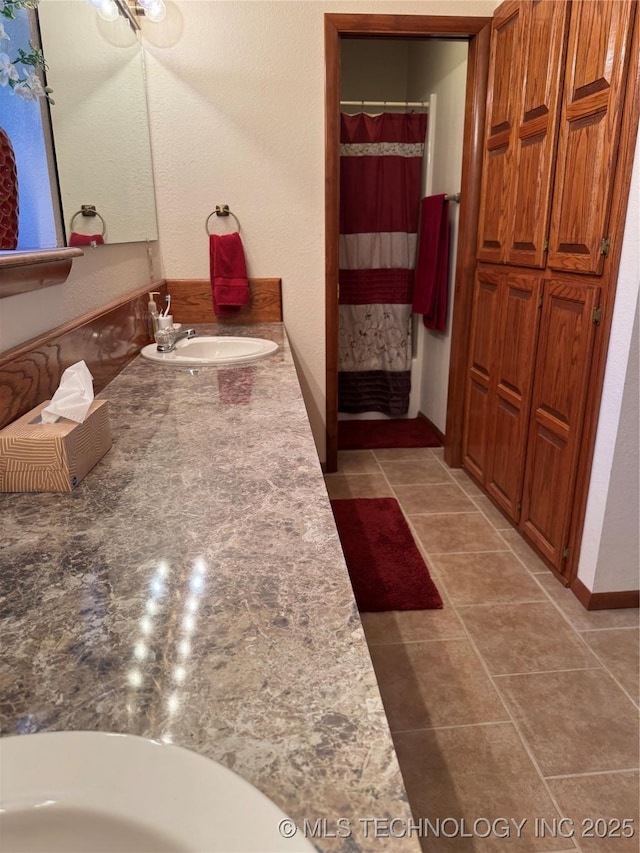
(545, 245)
(519, 506)
(539, 300)
(605, 246)
(597, 315)
(565, 552)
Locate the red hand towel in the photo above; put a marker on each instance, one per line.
(431, 283)
(229, 282)
(85, 239)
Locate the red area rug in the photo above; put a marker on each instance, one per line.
(369, 435)
(386, 569)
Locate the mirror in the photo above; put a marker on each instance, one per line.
(100, 123)
(28, 187)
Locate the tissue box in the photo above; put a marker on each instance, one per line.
(37, 457)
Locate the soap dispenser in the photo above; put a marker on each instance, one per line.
(153, 313)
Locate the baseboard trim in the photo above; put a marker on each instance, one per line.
(604, 600)
(433, 427)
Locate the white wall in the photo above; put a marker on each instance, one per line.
(618, 563)
(440, 68)
(609, 557)
(237, 111)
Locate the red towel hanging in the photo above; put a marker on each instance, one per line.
(229, 282)
(76, 239)
(431, 284)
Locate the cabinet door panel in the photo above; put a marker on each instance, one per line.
(537, 123)
(597, 56)
(510, 401)
(479, 378)
(562, 373)
(504, 69)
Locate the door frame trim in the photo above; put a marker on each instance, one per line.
(477, 31)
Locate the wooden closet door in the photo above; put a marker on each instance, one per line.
(545, 25)
(563, 362)
(479, 379)
(510, 398)
(502, 109)
(597, 57)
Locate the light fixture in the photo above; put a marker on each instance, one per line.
(111, 10)
(154, 10)
(107, 9)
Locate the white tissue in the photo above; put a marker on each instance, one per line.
(73, 396)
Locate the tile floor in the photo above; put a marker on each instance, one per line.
(513, 701)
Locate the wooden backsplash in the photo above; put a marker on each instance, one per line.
(191, 302)
(109, 338)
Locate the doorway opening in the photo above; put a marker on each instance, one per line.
(349, 40)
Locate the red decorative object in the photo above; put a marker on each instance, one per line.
(369, 435)
(385, 566)
(8, 194)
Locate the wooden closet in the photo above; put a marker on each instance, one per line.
(550, 210)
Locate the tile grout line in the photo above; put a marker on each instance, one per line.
(586, 645)
(567, 618)
(594, 773)
(634, 702)
(575, 631)
(528, 750)
(436, 554)
(452, 726)
(511, 719)
(527, 601)
(416, 642)
(546, 671)
(581, 640)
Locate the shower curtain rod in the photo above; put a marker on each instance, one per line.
(385, 104)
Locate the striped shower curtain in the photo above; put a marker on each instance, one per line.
(380, 183)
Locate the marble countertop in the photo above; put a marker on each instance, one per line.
(192, 589)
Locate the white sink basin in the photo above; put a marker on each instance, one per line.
(66, 792)
(217, 350)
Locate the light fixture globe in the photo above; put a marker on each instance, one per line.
(154, 10)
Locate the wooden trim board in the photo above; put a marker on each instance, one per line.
(191, 302)
(432, 427)
(604, 600)
(476, 30)
(106, 339)
(110, 337)
(21, 272)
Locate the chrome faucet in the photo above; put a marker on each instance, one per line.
(179, 336)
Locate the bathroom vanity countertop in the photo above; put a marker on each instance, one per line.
(192, 589)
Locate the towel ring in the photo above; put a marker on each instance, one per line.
(88, 210)
(221, 210)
